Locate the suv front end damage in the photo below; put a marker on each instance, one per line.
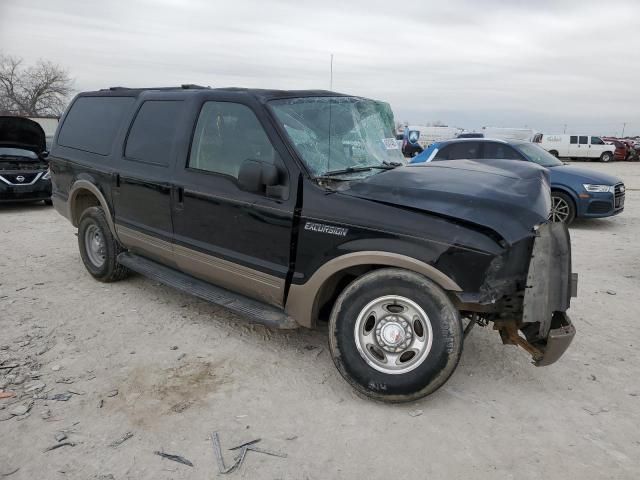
(535, 317)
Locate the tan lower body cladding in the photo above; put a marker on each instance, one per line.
(238, 278)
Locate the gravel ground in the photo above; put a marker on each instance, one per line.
(139, 357)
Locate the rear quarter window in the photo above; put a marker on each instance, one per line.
(153, 131)
(93, 122)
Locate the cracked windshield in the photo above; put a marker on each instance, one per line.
(340, 135)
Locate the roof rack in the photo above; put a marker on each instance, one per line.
(186, 86)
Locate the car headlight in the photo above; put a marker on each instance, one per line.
(47, 175)
(598, 188)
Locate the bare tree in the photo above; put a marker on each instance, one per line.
(38, 90)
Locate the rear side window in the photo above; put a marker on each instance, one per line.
(573, 140)
(500, 150)
(584, 140)
(460, 151)
(153, 131)
(92, 123)
(226, 135)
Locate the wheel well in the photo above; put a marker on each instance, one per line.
(81, 201)
(333, 287)
(553, 152)
(573, 200)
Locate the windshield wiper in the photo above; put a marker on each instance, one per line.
(332, 173)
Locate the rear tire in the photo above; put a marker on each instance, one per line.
(394, 335)
(606, 157)
(98, 247)
(563, 210)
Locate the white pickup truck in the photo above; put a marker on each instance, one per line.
(575, 146)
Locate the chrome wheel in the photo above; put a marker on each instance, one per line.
(560, 210)
(393, 334)
(95, 245)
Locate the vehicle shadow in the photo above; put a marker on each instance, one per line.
(19, 207)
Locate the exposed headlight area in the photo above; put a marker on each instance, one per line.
(592, 188)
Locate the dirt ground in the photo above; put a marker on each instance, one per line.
(139, 357)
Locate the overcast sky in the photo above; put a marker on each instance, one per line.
(468, 63)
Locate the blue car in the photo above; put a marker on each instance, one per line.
(576, 192)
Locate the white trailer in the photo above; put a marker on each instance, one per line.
(428, 135)
(506, 133)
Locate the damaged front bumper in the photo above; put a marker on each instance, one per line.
(550, 285)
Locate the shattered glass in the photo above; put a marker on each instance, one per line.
(336, 133)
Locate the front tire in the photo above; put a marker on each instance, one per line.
(554, 153)
(394, 335)
(606, 157)
(563, 210)
(98, 247)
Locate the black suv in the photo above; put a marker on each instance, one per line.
(295, 207)
(24, 174)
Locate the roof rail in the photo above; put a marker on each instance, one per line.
(186, 86)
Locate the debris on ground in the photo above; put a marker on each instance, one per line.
(121, 440)
(246, 444)
(100, 403)
(416, 413)
(58, 445)
(60, 436)
(112, 393)
(7, 394)
(175, 458)
(60, 397)
(592, 377)
(239, 459)
(174, 347)
(181, 406)
(9, 472)
(611, 292)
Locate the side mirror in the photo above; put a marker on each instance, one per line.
(260, 177)
(44, 154)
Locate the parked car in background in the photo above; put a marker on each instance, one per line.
(576, 192)
(295, 207)
(24, 174)
(622, 149)
(576, 146)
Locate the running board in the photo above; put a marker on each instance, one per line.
(253, 310)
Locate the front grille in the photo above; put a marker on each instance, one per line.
(20, 178)
(599, 207)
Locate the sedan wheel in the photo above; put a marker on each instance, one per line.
(562, 209)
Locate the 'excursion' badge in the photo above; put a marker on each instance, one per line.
(322, 228)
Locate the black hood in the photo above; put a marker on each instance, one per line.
(20, 132)
(506, 196)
